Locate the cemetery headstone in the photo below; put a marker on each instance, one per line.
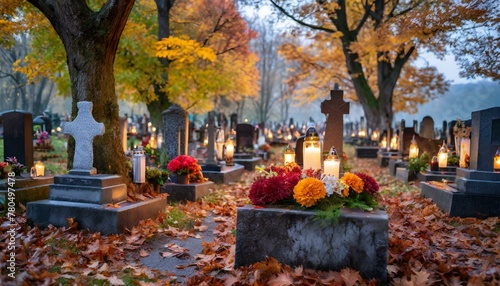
(84, 128)
(86, 197)
(18, 136)
(245, 137)
(475, 192)
(334, 109)
(299, 150)
(427, 127)
(210, 161)
(175, 131)
(234, 121)
(123, 132)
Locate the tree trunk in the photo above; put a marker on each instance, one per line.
(91, 40)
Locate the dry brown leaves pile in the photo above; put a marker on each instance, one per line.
(426, 247)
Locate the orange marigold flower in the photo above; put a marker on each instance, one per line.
(308, 191)
(354, 182)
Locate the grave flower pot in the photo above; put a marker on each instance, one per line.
(180, 179)
(359, 240)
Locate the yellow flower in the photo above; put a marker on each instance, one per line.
(308, 191)
(354, 182)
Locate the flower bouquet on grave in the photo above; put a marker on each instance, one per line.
(184, 165)
(43, 141)
(289, 185)
(15, 166)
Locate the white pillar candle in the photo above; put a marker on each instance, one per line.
(443, 160)
(312, 158)
(332, 167)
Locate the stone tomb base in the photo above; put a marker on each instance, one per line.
(187, 192)
(95, 217)
(405, 175)
(359, 241)
(366, 151)
(26, 189)
(383, 157)
(249, 164)
(448, 174)
(226, 175)
(475, 194)
(394, 164)
(87, 199)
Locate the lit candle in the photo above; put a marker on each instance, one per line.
(496, 161)
(413, 148)
(394, 142)
(443, 156)
(383, 143)
(229, 152)
(332, 163)
(312, 150)
(152, 142)
(289, 155)
(40, 169)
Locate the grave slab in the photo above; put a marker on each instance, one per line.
(394, 164)
(405, 175)
(460, 204)
(226, 175)
(366, 151)
(95, 217)
(249, 164)
(187, 192)
(27, 189)
(385, 156)
(448, 174)
(294, 237)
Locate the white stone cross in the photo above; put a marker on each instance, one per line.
(83, 129)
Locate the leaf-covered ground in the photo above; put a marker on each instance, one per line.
(426, 247)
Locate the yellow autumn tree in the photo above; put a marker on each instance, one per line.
(371, 47)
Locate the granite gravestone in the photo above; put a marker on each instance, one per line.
(175, 131)
(245, 137)
(334, 109)
(476, 190)
(84, 128)
(84, 195)
(427, 127)
(18, 136)
(123, 132)
(234, 121)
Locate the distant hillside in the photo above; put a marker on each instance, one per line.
(458, 102)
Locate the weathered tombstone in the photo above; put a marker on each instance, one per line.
(43, 123)
(18, 136)
(475, 192)
(84, 128)
(123, 132)
(334, 109)
(84, 195)
(427, 127)
(210, 161)
(234, 121)
(175, 131)
(245, 137)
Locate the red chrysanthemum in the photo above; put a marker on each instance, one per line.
(370, 184)
(270, 190)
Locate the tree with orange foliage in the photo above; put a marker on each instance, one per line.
(370, 47)
(90, 35)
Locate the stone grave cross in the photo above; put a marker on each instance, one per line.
(83, 129)
(334, 109)
(211, 140)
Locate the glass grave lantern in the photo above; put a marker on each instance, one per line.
(496, 161)
(332, 163)
(443, 156)
(413, 148)
(229, 152)
(289, 155)
(312, 150)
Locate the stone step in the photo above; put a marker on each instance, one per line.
(88, 194)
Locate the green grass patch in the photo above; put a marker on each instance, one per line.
(177, 218)
(59, 245)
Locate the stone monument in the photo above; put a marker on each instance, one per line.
(175, 129)
(476, 190)
(334, 109)
(96, 201)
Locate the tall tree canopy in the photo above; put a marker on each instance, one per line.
(370, 47)
(90, 35)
